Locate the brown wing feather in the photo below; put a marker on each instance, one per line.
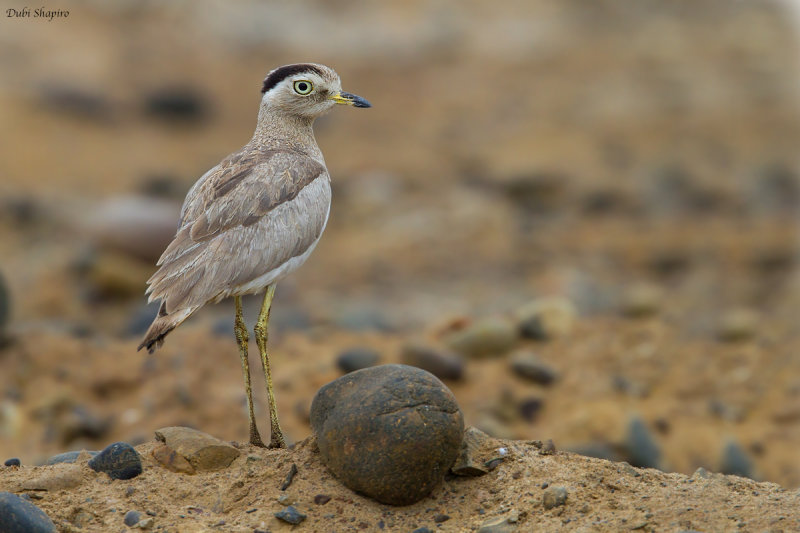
(238, 193)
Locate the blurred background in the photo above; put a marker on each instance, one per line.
(582, 215)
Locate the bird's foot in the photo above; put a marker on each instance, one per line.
(276, 441)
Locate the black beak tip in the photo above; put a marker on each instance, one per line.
(361, 102)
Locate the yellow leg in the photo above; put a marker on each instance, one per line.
(240, 329)
(276, 439)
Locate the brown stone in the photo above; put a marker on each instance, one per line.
(172, 460)
(200, 450)
(390, 432)
(469, 462)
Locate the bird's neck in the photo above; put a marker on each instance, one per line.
(286, 131)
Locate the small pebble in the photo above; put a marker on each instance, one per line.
(737, 325)
(422, 530)
(642, 300)
(489, 337)
(641, 446)
(321, 499)
(357, 358)
(290, 515)
(546, 318)
(439, 518)
(67, 457)
(118, 460)
(18, 515)
(13, 462)
(736, 461)
(176, 104)
(529, 408)
(528, 366)
(494, 463)
(132, 518)
(289, 477)
(554, 497)
(441, 363)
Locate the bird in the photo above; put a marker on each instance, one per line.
(252, 219)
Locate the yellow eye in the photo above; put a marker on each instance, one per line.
(303, 87)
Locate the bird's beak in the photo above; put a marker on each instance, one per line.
(349, 99)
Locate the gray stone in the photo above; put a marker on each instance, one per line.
(554, 497)
(357, 358)
(290, 515)
(485, 338)
(201, 450)
(530, 407)
(442, 363)
(12, 462)
(179, 105)
(546, 318)
(18, 515)
(736, 461)
(132, 518)
(390, 432)
(640, 445)
(118, 460)
(67, 457)
(528, 366)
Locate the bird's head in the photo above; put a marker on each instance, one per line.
(305, 89)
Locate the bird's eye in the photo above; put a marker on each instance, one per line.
(303, 87)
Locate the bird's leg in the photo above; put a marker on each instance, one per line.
(276, 440)
(240, 329)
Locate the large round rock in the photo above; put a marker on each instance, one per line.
(18, 515)
(390, 432)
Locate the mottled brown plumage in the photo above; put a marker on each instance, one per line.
(258, 214)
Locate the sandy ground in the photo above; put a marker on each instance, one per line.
(602, 496)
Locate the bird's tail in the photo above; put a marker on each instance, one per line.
(162, 325)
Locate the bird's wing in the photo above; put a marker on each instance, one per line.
(222, 207)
